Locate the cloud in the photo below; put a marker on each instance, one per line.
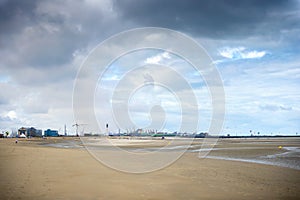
(158, 58)
(274, 107)
(44, 42)
(12, 115)
(237, 53)
(45, 34)
(213, 19)
(257, 97)
(253, 54)
(231, 52)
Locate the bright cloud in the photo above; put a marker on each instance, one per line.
(158, 58)
(238, 53)
(231, 52)
(253, 54)
(11, 114)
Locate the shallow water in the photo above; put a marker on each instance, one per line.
(290, 158)
(68, 144)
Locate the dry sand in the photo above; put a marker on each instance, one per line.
(31, 171)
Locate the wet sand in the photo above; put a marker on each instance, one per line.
(29, 170)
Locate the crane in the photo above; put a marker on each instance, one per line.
(77, 125)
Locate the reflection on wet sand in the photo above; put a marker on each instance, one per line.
(262, 151)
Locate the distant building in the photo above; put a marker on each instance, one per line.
(22, 131)
(30, 132)
(201, 135)
(139, 131)
(50, 133)
(33, 132)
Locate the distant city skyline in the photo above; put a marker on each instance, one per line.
(253, 44)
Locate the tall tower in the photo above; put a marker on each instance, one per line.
(106, 129)
(65, 130)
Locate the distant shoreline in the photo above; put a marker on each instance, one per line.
(167, 136)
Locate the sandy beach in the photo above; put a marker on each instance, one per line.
(33, 169)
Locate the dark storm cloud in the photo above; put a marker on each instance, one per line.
(43, 34)
(23, 35)
(47, 33)
(14, 15)
(225, 19)
(40, 39)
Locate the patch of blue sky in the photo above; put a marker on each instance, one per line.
(4, 78)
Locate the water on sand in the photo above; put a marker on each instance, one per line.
(263, 151)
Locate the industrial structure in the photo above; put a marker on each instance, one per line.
(30, 132)
(51, 133)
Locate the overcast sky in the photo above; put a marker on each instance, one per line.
(254, 45)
